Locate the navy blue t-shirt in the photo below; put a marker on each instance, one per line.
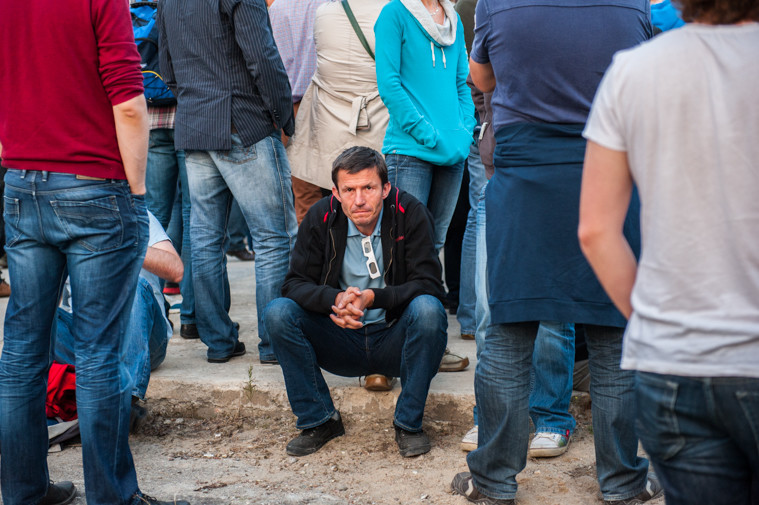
(549, 55)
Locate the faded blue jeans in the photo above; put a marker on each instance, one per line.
(165, 171)
(435, 186)
(467, 294)
(702, 434)
(502, 388)
(306, 342)
(98, 232)
(258, 176)
(146, 338)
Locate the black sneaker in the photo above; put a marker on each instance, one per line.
(653, 490)
(464, 485)
(59, 494)
(189, 331)
(149, 500)
(411, 443)
(239, 350)
(312, 439)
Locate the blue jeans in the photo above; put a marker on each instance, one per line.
(145, 340)
(702, 435)
(410, 349)
(467, 296)
(435, 186)
(97, 231)
(502, 387)
(553, 361)
(258, 176)
(238, 229)
(166, 174)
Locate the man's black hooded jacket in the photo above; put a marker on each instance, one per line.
(411, 264)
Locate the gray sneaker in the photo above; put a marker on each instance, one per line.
(464, 485)
(653, 490)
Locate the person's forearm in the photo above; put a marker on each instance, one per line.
(131, 118)
(164, 264)
(604, 201)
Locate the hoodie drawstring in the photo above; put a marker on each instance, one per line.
(442, 50)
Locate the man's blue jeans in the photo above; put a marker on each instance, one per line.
(97, 231)
(702, 435)
(306, 342)
(238, 229)
(167, 167)
(435, 186)
(145, 340)
(467, 294)
(258, 176)
(502, 387)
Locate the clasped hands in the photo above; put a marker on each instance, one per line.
(349, 307)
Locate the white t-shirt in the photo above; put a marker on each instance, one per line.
(685, 108)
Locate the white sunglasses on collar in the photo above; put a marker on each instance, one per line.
(371, 262)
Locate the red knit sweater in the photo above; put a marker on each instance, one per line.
(63, 66)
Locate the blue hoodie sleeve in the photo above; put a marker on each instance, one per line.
(388, 32)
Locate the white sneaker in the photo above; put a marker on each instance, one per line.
(469, 442)
(548, 445)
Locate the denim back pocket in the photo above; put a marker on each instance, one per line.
(96, 224)
(12, 215)
(658, 427)
(749, 402)
(239, 154)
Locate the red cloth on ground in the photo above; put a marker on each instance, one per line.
(61, 392)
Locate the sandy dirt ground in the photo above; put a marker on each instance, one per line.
(242, 460)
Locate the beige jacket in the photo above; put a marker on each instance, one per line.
(341, 107)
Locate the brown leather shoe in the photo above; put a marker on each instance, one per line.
(5, 289)
(378, 382)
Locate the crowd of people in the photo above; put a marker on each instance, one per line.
(611, 173)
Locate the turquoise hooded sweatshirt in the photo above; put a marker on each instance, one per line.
(423, 86)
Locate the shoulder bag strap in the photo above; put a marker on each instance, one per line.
(356, 28)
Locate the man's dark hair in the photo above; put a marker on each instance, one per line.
(719, 12)
(355, 159)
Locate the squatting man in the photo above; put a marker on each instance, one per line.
(362, 297)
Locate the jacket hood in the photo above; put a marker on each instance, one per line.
(445, 36)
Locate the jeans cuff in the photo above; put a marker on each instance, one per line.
(547, 429)
(498, 495)
(406, 427)
(315, 424)
(625, 496)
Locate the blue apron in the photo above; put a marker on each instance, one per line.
(536, 270)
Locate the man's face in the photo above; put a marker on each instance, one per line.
(361, 196)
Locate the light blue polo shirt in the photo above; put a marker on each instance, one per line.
(354, 271)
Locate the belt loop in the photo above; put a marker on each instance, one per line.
(45, 173)
(23, 174)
